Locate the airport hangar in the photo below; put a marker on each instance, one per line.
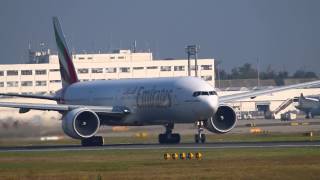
(41, 76)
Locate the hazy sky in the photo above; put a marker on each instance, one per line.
(282, 33)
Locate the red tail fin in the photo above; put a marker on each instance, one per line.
(67, 70)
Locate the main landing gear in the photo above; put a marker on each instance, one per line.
(200, 137)
(92, 141)
(168, 137)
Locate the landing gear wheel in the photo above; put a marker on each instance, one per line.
(309, 115)
(196, 138)
(92, 141)
(203, 138)
(168, 137)
(200, 137)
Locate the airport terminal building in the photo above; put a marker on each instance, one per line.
(42, 76)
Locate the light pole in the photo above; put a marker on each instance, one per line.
(192, 50)
(258, 72)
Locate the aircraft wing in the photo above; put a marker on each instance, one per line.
(253, 94)
(106, 110)
(31, 96)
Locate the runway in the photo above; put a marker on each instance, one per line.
(225, 145)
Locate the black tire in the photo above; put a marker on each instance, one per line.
(92, 141)
(203, 138)
(196, 138)
(309, 115)
(174, 139)
(162, 138)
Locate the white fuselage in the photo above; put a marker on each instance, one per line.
(150, 101)
(308, 104)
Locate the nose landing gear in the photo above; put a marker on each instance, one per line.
(168, 137)
(309, 115)
(200, 137)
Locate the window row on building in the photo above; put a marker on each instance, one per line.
(23, 83)
(44, 83)
(90, 58)
(101, 70)
(25, 72)
(128, 69)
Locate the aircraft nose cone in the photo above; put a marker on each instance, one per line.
(210, 106)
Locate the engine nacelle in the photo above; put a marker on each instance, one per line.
(80, 123)
(223, 121)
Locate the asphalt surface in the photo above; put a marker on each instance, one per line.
(226, 145)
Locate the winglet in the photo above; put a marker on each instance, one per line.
(67, 70)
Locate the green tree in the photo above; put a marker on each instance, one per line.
(304, 74)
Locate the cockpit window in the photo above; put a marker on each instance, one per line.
(212, 93)
(204, 93)
(195, 94)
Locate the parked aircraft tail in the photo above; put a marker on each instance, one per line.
(67, 70)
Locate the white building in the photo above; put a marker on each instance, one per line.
(45, 77)
(274, 102)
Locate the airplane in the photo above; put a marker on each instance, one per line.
(85, 106)
(310, 105)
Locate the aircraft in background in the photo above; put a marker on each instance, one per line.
(86, 106)
(310, 105)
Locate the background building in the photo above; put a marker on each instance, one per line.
(273, 104)
(42, 74)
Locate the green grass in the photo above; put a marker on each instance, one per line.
(249, 163)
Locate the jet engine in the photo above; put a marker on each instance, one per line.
(223, 121)
(80, 123)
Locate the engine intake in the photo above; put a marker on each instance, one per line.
(80, 123)
(223, 121)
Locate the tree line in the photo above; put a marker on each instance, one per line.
(248, 71)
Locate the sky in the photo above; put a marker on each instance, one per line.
(283, 34)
